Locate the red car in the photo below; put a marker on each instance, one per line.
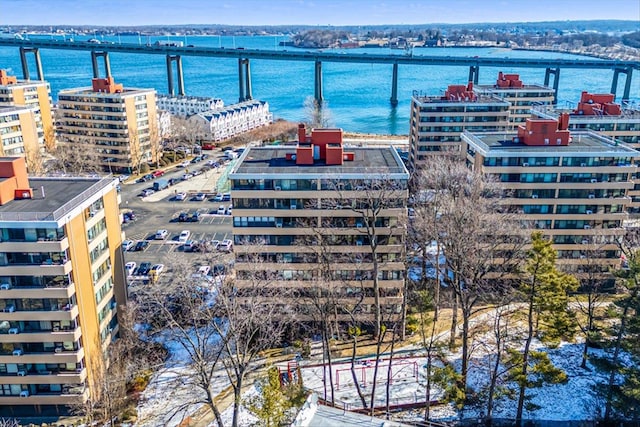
(208, 146)
(158, 173)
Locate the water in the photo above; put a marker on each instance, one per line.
(357, 95)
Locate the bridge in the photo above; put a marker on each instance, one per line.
(175, 53)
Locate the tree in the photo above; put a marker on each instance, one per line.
(274, 400)
(317, 115)
(222, 326)
(75, 157)
(49, 139)
(545, 291)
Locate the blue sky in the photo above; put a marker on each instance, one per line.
(307, 12)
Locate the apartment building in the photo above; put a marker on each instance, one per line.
(437, 122)
(574, 186)
(233, 120)
(33, 94)
(600, 113)
(61, 280)
(307, 215)
(521, 97)
(185, 106)
(117, 126)
(18, 132)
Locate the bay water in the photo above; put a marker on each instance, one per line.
(356, 95)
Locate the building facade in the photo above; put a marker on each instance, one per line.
(309, 214)
(521, 97)
(185, 106)
(574, 187)
(18, 131)
(437, 122)
(232, 120)
(61, 280)
(116, 125)
(35, 95)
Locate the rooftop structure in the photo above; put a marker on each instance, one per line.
(297, 207)
(572, 186)
(521, 96)
(128, 140)
(437, 121)
(185, 106)
(61, 281)
(32, 94)
(232, 120)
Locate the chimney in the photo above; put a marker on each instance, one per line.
(302, 133)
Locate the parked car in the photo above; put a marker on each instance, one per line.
(144, 268)
(128, 216)
(229, 210)
(147, 192)
(123, 178)
(157, 269)
(196, 159)
(214, 244)
(195, 217)
(226, 197)
(187, 176)
(130, 267)
(127, 244)
(181, 196)
(161, 234)
(226, 245)
(221, 210)
(189, 245)
(202, 272)
(184, 236)
(200, 197)
(141, 245)
(158, 173)
(218, 198)
(184, 164)
(183, 217)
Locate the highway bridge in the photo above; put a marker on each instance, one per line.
(174, 53)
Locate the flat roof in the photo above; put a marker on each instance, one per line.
(552, 112)
(494, 88)
(583, 144)
(439, 99)
(260, 162)
(61, 196)
(25, 83)
(89, 91)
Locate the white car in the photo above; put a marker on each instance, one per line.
(130, 267)
(214, 244)
(221, 210)
(127, 244)
(226, 245)
(161, 234)
(229, 210)
(184, 164)
(200, 197)
(184, 236)
(181, 196)
(156, 270)
(187, 176)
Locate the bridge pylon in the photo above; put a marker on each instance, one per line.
(94, 63)
(25, 64)
(627, 82)
(178, 60)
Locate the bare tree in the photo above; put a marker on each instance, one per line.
(75, 157)
(317, 115)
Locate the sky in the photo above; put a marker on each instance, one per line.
(307, 12)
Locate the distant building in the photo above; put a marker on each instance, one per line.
(232, 120)
(185, 106)
(574, 187)
(33, 94)
(296, 209)
(18, 132)
(437, 122)
(61, 283)
(119, 125)
(521, 97)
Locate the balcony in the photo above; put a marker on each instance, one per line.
(49, 268)
(48, 357)
(46, 399)
(46, 377)
(62, 313)
(50, 290)
(16, 335)
(40, 245)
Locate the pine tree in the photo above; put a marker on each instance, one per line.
(270, 406)
(545, 291)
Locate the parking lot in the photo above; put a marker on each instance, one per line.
(161, 210)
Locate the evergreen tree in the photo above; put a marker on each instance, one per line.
(545, 292)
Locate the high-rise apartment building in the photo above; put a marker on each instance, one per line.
(18, 132)
(521, 97)
(574, 186)
(33, 94)
(437, 122)
(300, 210)
(117, 126)
(61, 280)
(599, 113)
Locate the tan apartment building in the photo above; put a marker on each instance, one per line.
(18, 132)
(305, 216)
(61, 280)
(573, 186)
(521, 97)
(33, 94)
(436, 122)
(118, 126)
